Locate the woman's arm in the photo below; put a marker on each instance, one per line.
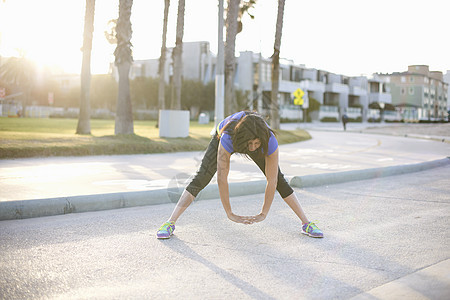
(223, 168)
(271, 186)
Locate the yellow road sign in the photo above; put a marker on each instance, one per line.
(298, 97)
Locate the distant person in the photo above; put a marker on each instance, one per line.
(246, 133)
(344, 121)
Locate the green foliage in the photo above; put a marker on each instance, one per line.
(356, 105)
(329, 119)
(144, 92)
(103, 92)
(19, 71)
(242, 99)
(314, 105)
(387, 106)
(195, 93)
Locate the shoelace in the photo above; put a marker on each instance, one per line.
(165, 226)
(312, 225)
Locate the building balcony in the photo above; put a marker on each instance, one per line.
(357, 91)
(286, 86)
(314, 86)
(337, 88)
(380, 98)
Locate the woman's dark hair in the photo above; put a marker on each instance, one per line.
(251, 126)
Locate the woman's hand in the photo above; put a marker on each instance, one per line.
(258, 218)
(240, 219)
(247, 219)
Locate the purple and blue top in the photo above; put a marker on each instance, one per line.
(225, 138)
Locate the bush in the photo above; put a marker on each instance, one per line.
(357, 120)
(329, 119)
(373, 120)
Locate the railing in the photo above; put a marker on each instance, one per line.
(328, 112)
(377, 97)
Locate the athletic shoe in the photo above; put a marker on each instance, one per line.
(166, 230)
(312, 230)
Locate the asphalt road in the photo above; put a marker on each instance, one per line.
(377, 232)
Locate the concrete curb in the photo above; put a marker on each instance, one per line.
(341, 177)
(436, 138)
(22, 209)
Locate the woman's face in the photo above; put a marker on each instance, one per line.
(253, 145)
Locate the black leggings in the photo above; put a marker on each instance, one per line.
(208, 168)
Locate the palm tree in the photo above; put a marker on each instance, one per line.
(231, 23)
(110, 32)
(236, 10)
(21, 72)
(123, 61)
(162, 59)
(244, 9)
(274, 112)
(176, 56)
(84, 124)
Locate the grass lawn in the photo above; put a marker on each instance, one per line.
(29, 137)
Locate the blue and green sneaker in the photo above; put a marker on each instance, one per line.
(312, 230)
(166, 230)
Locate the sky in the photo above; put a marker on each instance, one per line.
(350, 37)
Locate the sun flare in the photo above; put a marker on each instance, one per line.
(52, 40)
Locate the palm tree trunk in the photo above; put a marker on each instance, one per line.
(231, 24)
(162, 59)
(84, 124)
(124, 115)
(274, 110)
(177, 59)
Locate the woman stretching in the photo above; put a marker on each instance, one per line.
(246, 133)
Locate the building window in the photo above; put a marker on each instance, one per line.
(403, 91)
(411, 78)
(403, 79)
(411, 90)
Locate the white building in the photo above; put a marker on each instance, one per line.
(336, 93)
(447, 80)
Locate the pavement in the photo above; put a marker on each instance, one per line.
(63, 185)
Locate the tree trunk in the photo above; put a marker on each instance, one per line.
(231, 24)
(274, 109)
(177, 59)
(124, 115)
(84, 124)
(162, 59)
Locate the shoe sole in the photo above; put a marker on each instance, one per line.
(310, 235)
(164, 237)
